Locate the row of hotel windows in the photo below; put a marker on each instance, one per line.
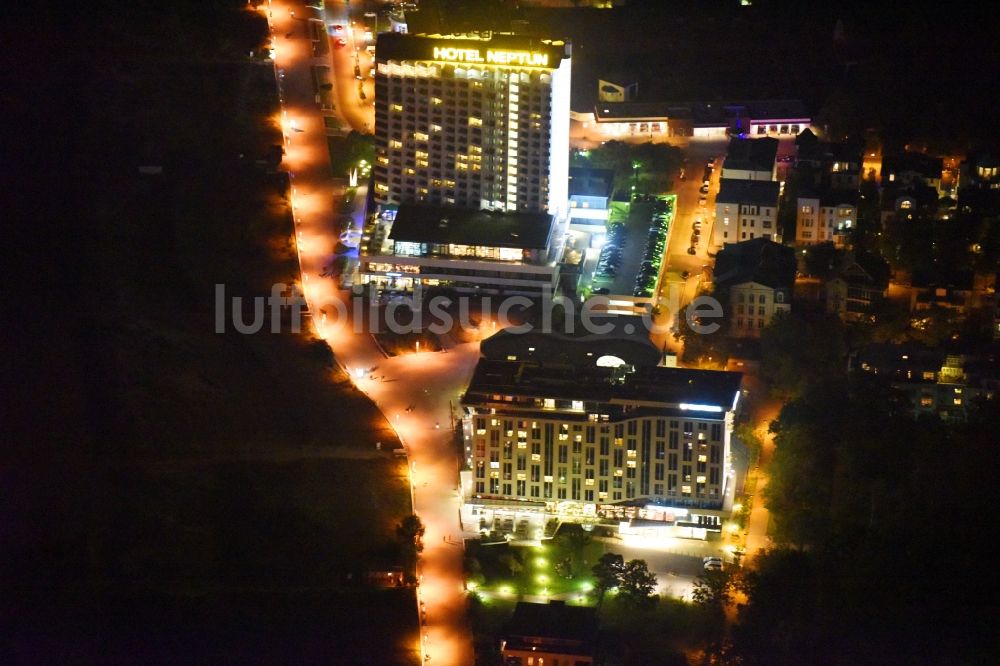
(630, 427)
(473, 273)
(706, 452)
(407, 249)
(436, 73)
(522, 489)
(410, 194)
(616, 481)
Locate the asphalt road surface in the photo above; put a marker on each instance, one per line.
(430, 381)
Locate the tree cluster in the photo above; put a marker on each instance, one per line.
(645, 165)
(797, 351)
(875, 516)
(633, 579)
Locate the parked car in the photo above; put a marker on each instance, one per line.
(692, 250)
(712, 563)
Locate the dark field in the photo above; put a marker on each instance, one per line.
(171, 494)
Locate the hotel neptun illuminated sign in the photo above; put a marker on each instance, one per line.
(491, 57)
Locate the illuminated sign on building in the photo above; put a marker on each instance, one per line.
(491, 56)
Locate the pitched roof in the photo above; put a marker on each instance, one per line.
(860, 267)
(573, 629)
(759, 260)
(738, 191)
(925, 165)
(419, 223)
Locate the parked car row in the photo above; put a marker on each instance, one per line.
(649, 269)
(611, 254)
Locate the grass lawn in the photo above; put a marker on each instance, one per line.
(560, 567)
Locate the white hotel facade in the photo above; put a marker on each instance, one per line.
(474, 122)
(592, 442)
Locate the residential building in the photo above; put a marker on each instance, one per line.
(910, 169)
(588, 440)
(861, 280)
(552, 634)
(744, 210)
(472, 122)
(833, 165)
(756, 279)
(828, 216)
(910, 201)
(953, 289)
(751, 159)
(477, 250)
(938, 382)
(590, 193)
(979, 184)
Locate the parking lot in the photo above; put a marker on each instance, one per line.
(629, 263)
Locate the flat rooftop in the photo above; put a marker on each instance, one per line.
(586, 182)
(739, 191)
(632, 345)
(751, 154)
(418, 223)
(702, 113)
(471, 49)
(653, 385)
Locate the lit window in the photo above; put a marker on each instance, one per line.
(475, 122)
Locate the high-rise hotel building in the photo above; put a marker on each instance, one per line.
(589, 440)
(472, 122)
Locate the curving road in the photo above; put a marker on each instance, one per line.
(429, 382)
